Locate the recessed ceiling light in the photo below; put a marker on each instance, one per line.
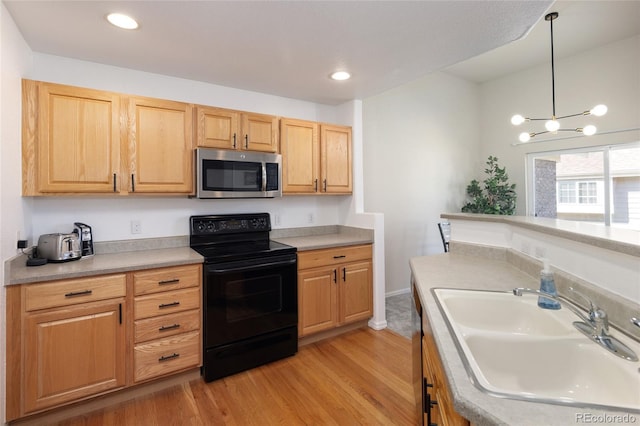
(340, 75)
(122, 21)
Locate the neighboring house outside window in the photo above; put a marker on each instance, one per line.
(599, 184)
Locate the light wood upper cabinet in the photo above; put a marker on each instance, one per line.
(85, 141)
(160, 155)
(260, 132)
(300, 156)
(71, 139)
(335, 158)
(229, 129)
(217, 128)
(316, 158)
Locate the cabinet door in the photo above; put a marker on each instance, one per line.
(160, 146)
(72, 353)
(317, 300)
(356, 292)
(78, 139)
(300, 156)
(217, 128)
(259, 132)
(335, 154)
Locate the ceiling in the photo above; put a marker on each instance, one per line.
(289, 48)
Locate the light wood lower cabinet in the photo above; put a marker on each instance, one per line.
(70, 340)
(335, 287)
(167, 321)
(73, 352)
(436, 396)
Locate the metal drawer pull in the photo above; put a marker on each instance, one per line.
(168, 305)
(339, 257)
(169, 327)
(173, 281)
(168, 357)
(78, 293)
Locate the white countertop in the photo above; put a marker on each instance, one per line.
(470, 272)
(613, 238)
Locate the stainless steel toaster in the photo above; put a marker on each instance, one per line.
(59, 247)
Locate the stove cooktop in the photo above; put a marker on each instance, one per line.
(222, 238)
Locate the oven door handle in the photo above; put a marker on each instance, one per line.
(221, 269)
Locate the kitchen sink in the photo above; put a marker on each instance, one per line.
(511, 348)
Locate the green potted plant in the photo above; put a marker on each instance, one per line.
(497, 196)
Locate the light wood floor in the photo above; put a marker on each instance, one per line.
(359, 378)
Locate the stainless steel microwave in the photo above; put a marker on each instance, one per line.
(237, 174)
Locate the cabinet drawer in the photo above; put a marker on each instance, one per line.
(173, 278)
(333, 256)
(166, 325)
(71, 292)
(167, 302)
(167, 355)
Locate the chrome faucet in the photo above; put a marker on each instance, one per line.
(595, 326)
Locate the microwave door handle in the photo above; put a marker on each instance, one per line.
(264, 177)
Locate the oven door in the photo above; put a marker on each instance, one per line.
(247, 298)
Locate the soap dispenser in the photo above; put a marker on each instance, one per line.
(547, 285)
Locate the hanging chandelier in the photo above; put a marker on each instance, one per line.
(552, 124)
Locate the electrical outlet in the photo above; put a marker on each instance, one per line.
(311, 218)
(22, 244)
(136, 227)
(276, 219)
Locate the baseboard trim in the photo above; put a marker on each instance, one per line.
(398, 292)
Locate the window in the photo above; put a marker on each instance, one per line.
(587, 193)
(598, 184)
(566, 192)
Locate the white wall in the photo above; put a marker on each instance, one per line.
(420, 143)
(609, 75)
(15, 57)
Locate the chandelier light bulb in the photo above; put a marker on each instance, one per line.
(589, 130)
(552, 125)
(517, 120)
(525, 137)
(599, 110)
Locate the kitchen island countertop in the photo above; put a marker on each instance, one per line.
(455, 270)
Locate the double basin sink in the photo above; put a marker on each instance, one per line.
(512, 348)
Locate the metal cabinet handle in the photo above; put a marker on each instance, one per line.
(234, 141)
(324, 185)
(315, 185)
(335, 275)
(173, 281)
(168, 357)
(342, 256)
(168, 305)
(344, 274)
(169, 327)
(246, 141)
(79, 293)
(133, 183)
(114, 182)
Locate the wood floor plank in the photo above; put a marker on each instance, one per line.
(362, 377)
